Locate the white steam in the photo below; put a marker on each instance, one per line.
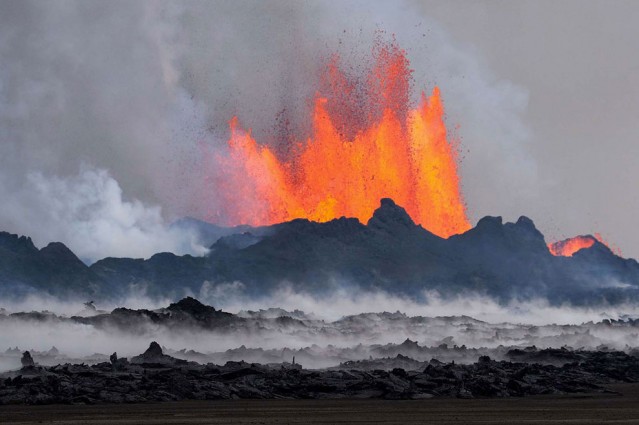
(345, 301)
(88, 213)
(441, 320)
(139, 91)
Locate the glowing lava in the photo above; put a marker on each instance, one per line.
(366, 143)
(568, 247)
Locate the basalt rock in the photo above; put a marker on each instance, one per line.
(118, 363)
(27, 360)
(143, 382)
(154, 356)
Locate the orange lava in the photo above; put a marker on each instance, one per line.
(366, 143)
(568, 247)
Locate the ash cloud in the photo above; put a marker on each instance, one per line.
(145, 92)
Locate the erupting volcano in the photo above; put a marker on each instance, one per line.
(366, 143)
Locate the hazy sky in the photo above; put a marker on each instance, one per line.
(106, 107)
(579, 62)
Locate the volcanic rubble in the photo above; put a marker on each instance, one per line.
(155, 376)
(406, 370)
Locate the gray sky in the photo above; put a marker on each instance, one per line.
(579, 62)
(106, 107)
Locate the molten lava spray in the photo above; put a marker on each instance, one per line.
(366, 143)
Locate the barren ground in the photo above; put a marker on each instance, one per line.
(573, 409)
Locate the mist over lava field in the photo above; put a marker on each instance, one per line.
(351, 185)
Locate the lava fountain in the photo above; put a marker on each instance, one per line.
(366, 143)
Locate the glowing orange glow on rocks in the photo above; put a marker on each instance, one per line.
(568, 247)
(366, 143)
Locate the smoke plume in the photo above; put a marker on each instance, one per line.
(145, 93)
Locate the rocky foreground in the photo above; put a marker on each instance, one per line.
(155, 376)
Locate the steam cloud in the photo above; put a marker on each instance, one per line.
(344, 301)
(75, 339)
(142, 91)
(88, 212)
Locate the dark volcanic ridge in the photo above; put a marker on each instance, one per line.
(155, 376)
(506, 261)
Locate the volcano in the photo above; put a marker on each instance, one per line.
(390, 252)
(309, 216)
(367, 141)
